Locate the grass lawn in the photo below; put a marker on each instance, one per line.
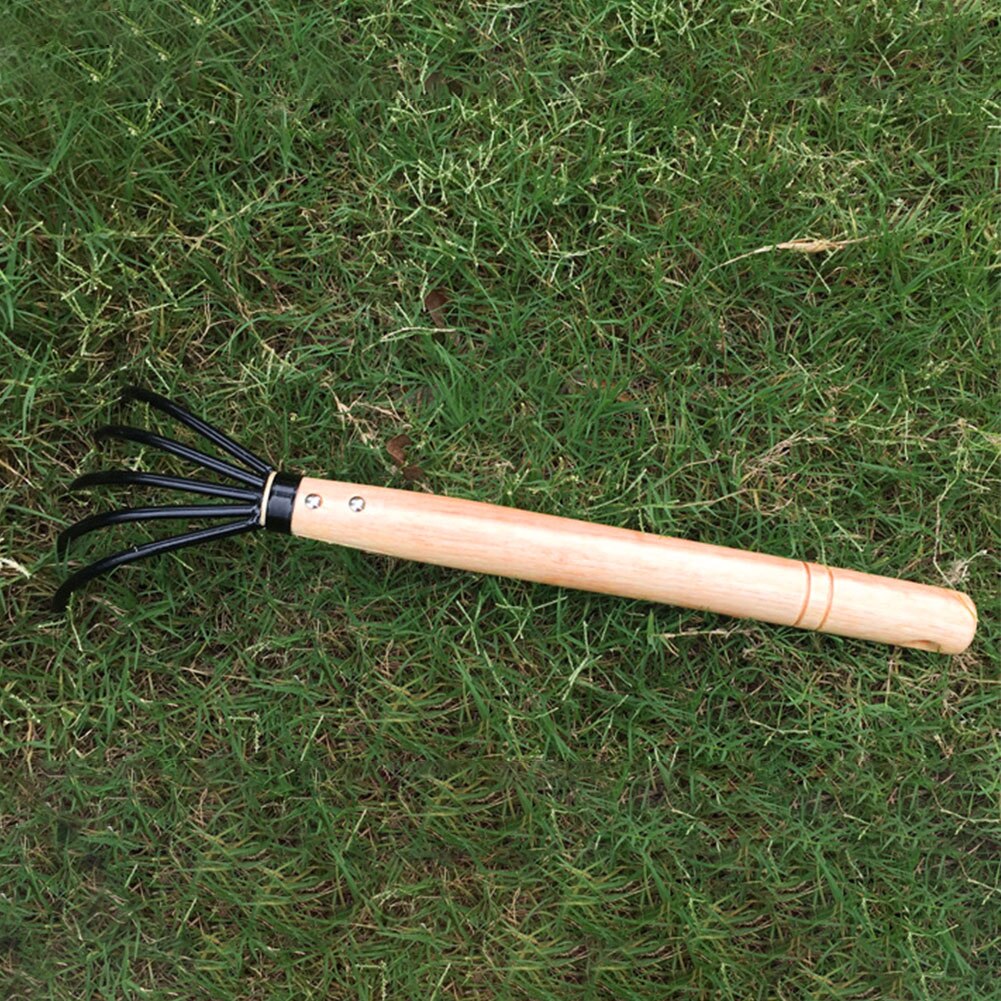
(552, 244)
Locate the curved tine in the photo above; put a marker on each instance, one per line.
(61, 598)
(176, 448)
(125, 515)
(128, 477)
(199, 426)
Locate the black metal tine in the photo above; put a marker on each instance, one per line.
(61, 598)
(183, 451)
(126, 515)
(199, 426)
(128, 477)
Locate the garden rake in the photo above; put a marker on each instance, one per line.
(487, 538)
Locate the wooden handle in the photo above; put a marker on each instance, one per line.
(486, 538)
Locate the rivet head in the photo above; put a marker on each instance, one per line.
(313, 501)
(357, 504)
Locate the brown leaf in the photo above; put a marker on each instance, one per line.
(397, 448)
(413, 473)
(435, 302)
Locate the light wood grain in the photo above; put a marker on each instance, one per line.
(486, 538)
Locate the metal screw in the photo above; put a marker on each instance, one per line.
(357, 504)
(313, 501)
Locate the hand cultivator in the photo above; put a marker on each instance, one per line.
(486, 538)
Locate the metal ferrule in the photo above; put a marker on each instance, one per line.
(281, 502)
